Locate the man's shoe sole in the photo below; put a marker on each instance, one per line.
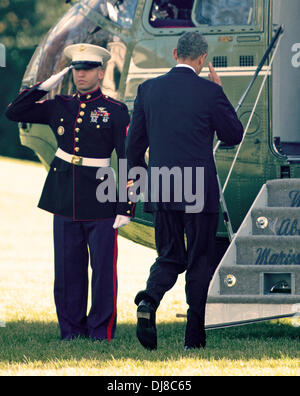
(146, 329)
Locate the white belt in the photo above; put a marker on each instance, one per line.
(82, 161)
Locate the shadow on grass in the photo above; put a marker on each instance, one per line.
(22, 342)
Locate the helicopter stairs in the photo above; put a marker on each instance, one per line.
(259, 276)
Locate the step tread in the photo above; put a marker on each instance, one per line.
(283, 191)
(258, 267)
(266, 238)
(250, 299)
(277, 209)
(283, 182)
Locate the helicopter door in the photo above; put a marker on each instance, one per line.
(286, 81)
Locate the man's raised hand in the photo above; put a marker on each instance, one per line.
(213, 75)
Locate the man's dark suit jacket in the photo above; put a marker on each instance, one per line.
(176, 115)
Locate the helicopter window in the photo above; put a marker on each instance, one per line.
(171, 13)
(121, 12)
(225, 12)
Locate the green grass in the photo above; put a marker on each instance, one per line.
(34, 348)
(30, 342)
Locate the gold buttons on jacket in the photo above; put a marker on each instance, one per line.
(79, 120)
(81, 113)
(77, 140)
(89, 97)
(128, 212)
(83, 105)
(77, 149)
(60, 130)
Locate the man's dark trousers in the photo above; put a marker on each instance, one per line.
(196, 257)
(73, 241)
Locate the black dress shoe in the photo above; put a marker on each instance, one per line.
(146, 327)
(193, 347)
(190, 344)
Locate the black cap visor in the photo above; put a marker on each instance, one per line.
(85, 65)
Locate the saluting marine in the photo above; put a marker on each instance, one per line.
(88, 127)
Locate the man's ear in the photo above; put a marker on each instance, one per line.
(202, 59)
(175, 55)
(101, 73)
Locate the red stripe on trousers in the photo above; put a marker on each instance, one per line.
(113, 317)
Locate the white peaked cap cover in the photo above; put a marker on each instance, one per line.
(87, 53)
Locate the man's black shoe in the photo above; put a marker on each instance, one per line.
(146, 327)
(193, 347)
(191, 344)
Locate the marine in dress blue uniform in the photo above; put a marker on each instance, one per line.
(88, 127)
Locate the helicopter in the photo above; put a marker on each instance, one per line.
(140, 35)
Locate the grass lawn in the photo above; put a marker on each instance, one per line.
(30, 343)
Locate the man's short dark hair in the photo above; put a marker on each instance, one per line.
(191, 45)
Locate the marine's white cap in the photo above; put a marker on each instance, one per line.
(86, 56)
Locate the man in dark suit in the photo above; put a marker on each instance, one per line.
(176, 115)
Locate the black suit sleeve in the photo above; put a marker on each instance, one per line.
(27, 107)
(225, 121)
(121, 124)
(137, 140)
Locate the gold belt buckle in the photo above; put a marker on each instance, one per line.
(76, 160)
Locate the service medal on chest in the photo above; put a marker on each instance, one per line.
(104, 114)
(94, 116)
(100, 112)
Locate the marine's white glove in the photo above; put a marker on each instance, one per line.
(121, 221)
(54, 80)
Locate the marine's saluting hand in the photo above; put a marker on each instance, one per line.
(54, 80)
(213, 76)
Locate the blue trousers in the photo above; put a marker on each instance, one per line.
(74, 243)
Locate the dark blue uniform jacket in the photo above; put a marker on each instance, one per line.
(176, 115)
(90, 125)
